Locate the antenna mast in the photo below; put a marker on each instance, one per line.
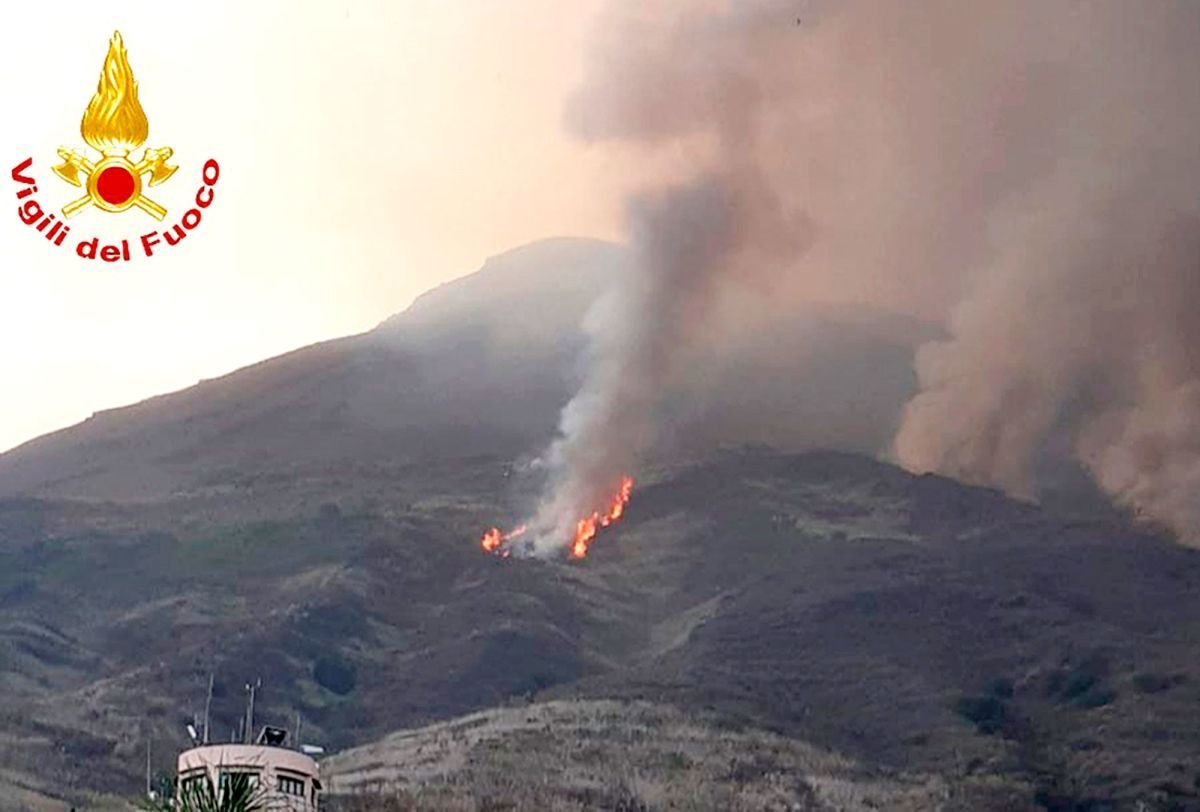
(249, 731)
(208, 704)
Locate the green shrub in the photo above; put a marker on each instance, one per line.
(1097, 697)
(1147, 682)
(1083, 684)
(1001, 687)
(336, 674)
(987, 713)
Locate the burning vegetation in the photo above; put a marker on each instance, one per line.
(496, 541)
(499, 542)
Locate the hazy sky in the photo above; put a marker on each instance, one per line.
(368, 151)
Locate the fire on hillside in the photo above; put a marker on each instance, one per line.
(496, 541)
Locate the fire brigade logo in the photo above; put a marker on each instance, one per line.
(115, 125)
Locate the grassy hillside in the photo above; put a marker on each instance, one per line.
(910, 625)
(611, 755)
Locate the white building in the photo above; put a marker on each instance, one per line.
(286, 780)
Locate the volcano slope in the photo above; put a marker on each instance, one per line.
(314, 520)
(915, 626)
(479, 366)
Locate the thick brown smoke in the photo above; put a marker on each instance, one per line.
(1024, 172)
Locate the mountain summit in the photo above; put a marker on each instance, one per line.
(480, 365)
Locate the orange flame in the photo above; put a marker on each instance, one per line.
(494, 540)
(587, 528)
(114, 122)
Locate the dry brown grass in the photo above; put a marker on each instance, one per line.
(577, 755)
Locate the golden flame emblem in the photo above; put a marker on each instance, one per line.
(115, 125)
(114, 122)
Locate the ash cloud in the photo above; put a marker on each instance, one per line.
(1023, 173)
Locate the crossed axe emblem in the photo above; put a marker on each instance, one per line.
(154, 163)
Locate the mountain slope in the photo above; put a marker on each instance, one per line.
(908, 623)
(604, 754)
(314, 520)
(424, 384)
(481, 365)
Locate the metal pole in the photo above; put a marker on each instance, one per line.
(208, 705)
(250, 711)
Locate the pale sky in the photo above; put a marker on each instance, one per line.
(368, 151)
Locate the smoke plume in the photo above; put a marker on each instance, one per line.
(1024, 173)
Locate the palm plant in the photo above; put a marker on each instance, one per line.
(237, 793)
